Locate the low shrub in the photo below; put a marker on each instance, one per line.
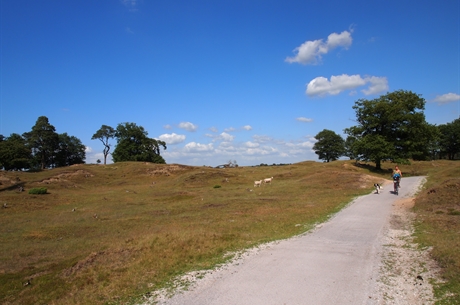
(38, 190)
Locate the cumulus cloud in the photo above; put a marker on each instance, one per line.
(225, 137)
(197, 147)
(188, 126)
(251, 144)
(230, 129)
(247, 127)
(213, 129)
(339, 83)
(310, 52)
(447, 98)
(167, 126)
(376, 85)
(172, 138)
(305, 120)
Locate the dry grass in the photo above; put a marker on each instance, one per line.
(108, 234)
(438, 226)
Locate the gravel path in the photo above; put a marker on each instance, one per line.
(360, 256)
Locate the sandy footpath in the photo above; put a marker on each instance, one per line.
(362, 255)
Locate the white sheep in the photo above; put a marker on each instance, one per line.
(257, 183)
(268, 180)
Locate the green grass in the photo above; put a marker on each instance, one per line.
(109, 234)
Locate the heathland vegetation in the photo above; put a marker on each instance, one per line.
(109, 234)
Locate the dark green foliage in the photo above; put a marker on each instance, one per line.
(450, 139)
(38, 191)
(391, 127)
(330, 146)
(14, 153)
(43, 141)
(71, 151)
(134, 145)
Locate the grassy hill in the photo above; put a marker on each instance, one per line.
(107, 234)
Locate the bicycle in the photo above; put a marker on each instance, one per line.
(396, 184)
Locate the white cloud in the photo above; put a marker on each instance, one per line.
(188, 126)
(305, 120)
(337, 84)
(262, 139)
(247, 127)
(310, 52)
(213, 129)
(167, 126)
(251, 144)
(447, 98)
(172, 138)
(376, 85)
(230, 129)
(225, 137)
(88, 149)
(262, 149)
(197, 147)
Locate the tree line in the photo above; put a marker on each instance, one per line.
(391, 128)
(43, 147)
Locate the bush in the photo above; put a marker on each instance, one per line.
(38, 190)
(216, 186)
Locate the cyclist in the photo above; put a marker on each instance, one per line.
(397, 174)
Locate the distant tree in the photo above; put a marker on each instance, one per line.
(350, 149)
(391, 127)
(14, 153)
(428, 143)
(232, 163)
(330, 146)
(43, 141)
(434, 144)
(134, 145)
(450, 139)
(98, 161)
(70, 151)
(105, 133)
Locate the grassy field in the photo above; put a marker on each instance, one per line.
(108, 234)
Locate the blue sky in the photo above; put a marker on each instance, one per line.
(246, 80)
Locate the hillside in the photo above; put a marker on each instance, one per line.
(108, 234)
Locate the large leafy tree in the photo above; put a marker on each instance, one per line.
(14, 153)
(104, 134)
(43, 141)
(70, 151)
(329, 146)
(450, 139)
(391, 127)
(134, 145)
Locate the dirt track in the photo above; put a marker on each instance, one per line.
(347, 260)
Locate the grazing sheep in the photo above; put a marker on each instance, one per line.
(257, 183)
(268, 180)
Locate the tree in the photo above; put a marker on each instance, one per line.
(43, 141)
(391, 127)
(450, 139)
(70, 151)
(330, 146)
(105, 133)
(134, 145)
(350, 149)
(14, 153)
